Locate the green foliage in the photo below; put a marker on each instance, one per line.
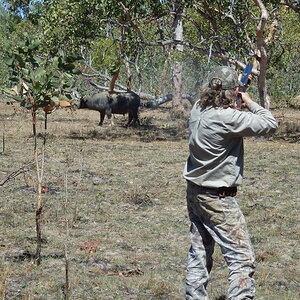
(142, 7)
(37, 81)
(4, 31)
(29, 10)
(68, 24)
(284, 65)
(20, 7)
(110, 30)
(106, 54)
(222, 27)
(13, 30)
(72, 24)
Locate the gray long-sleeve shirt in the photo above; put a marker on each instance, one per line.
(216, 143)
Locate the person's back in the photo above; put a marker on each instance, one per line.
(216, 142)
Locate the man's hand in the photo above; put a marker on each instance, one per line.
(246, 100)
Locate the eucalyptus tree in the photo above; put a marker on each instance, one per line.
(178, 9)
(284, 59)
(224, 31)
(102, 24)
(4, 33)
(18, 7)
(26, 9)
(235, 32)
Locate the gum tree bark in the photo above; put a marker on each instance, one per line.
(177, 66)
(261, 55)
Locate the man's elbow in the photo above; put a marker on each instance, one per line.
(273, 126)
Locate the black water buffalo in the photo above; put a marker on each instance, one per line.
(108, 103)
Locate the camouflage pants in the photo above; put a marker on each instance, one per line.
(218, 220)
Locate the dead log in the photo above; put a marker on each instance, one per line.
(169, 97)
(157, 102)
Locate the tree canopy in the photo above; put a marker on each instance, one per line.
(138, 39)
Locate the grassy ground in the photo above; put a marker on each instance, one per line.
(128, 226)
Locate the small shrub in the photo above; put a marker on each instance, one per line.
(176, 114)
(146, 121)
(294, 102)
(138, 197)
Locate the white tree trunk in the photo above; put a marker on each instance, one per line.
(177, 66)
(261, 54)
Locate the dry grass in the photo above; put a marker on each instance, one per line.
(129, 226)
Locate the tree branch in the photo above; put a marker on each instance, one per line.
(262, 23)
(196, 25)
(104, 77)
(134, 26)
(292, 6)
(232, 61)
(14, 174)
(272, 31)
(262, 54)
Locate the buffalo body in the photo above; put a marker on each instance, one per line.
(108, 103)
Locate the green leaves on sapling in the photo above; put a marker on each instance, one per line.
(37, 80)
(9, 61)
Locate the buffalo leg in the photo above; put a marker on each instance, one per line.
(109, 115)
(111, 119)
(136, 118)
(130, 117)
(102, 115)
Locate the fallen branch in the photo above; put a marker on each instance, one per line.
(157, 102)
(16, 173)
(164, 99)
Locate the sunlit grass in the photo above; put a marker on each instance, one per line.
(130, 198)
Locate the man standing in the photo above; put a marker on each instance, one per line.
(213, 171)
